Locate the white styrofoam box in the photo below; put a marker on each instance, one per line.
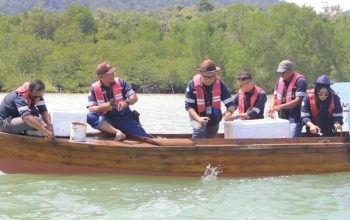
(257, 128)
(61, 121)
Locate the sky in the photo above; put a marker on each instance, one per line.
(319, 4)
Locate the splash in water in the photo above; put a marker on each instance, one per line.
(210, 173)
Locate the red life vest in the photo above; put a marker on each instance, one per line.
(280, 88)
(313, 106)
(216, 99)
(117, 92)
(24, 91)
(253, 98)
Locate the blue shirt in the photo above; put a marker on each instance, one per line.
(15, 105)
(127, 91)
(257, 111)
(191, 100)
(299, 90)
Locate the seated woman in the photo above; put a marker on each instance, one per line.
(321, 109)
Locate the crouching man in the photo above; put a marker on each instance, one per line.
(20, 110)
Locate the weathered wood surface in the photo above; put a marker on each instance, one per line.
(175, 156)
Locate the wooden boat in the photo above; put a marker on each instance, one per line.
(175, 155)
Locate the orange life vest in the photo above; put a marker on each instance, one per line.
(280, 88)
(313, 106)
(216, 99)
(24, 91)
(253, 98)
(117, 92)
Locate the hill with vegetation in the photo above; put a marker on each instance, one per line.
(16, 6)
(159, 51)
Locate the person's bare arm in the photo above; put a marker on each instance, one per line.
(47, 119)
(32, 122)
(100, 108)
(295, 102)
(133, 99)
(193, 114)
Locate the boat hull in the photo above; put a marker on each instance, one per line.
(177, 156)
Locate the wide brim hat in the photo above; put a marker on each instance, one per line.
(208, 66)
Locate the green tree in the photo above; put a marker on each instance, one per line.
(41, 24)
(83, 18)
(204, 5)
(158, 51)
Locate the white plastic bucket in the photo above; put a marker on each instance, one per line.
(77, 131)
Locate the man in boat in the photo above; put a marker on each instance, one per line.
(290, 90)
(249, 101)
(109, 101)
(204, 94)
(321, 109)
(20, 110)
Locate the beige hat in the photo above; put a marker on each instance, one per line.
(208, 66)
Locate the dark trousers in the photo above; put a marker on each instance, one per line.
(126, 123)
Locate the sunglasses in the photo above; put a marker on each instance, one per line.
(243, 78)
(107, 74)
(284, 72)
(209, 77)
(323, 94)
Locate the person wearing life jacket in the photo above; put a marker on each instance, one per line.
(321, 110)
(109, 100)
(20, 109)
(249, 101)
(204, 94)
(290, 89)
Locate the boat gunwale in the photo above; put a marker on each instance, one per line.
(215, 143)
